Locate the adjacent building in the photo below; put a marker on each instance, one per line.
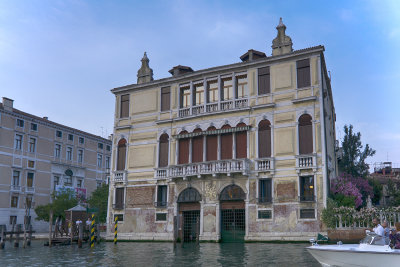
(236, 152)
(38, 156)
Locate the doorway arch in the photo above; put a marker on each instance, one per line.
(189, 214)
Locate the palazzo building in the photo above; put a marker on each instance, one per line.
(230, 153)
(39, 156)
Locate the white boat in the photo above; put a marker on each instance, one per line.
(373, 250)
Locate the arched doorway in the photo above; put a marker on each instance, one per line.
(233, 219)
(189, 212)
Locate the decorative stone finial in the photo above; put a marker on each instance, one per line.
(145, 73)
(282, 44)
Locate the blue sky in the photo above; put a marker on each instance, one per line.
(61, 58)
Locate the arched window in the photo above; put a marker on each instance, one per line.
(241, 142)
(163, 151)
(305, 135)
(197, 147)
(264, 139)
(226, 143)
(189, 195)
(211, 145)
(183, 155)
(121, 155)
(232, 192)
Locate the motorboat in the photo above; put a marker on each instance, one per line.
(373, 250)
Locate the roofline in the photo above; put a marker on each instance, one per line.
(163, 81)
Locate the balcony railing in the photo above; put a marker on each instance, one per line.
(29, 189)
(15, 188)
(214, 107)
(118, 206)
(264, 164)
(306, 162)
(119, 177)
(307, 198)
(204, 168)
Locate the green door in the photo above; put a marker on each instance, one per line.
(233, 225)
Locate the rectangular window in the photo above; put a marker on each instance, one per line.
(165, 98)
(108, 148)
(227, 89)
(20, 123)
(70, 137)
(81, 140)
(31, 164)
(99, 160)
(307, 214)
(56, 181)
(58, 134)
(18, 142)
(162, 196)
(265, 191)
(185, 97)
(264, 86)
(57, 150)
(161, 217)
(79, 183)
(120, 217)
(33, 127)
(15, 181)
(264, 214)
(13, 219)
(67, 181)
(212, 91)
(69, 153)
(124, 106)
(119, 198)
(32, 145)
(29, 179)
(198, 94)
(80, 155)
(99, 145)
(241, 86)
(307, 188)
(28, 201)
(107, 162)
(303, 73)
(14, 201)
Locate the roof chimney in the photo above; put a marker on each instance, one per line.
(282, 44)
(180, 70)
(45, 118)
(145, 74)
(8, 104)
(252, 55)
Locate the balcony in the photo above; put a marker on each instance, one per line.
(119, 176)
(304, 162)
(264, 165)
(118, 206)
(15, 188)
(204, 168)
(29, 190)
(214, 107)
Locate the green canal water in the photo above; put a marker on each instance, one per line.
(159, 254)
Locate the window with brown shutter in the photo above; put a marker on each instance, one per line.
(241, 143)
(124, 106)
(197, 147)
(305, 135)
(183, 156)
(163, 151)
(226, 144)
(264, 139)
(165, 98)
(121, 155)
(119, 198)
(264, 86)
(303, 73)
(211, 146)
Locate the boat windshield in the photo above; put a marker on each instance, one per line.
(374, 239)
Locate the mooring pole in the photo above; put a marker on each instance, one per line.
(80, 235)
(92, 232)
(175, 231)
(16, 242)
(12, 229)
(50, 226)
(115, 230)
(181, 228)
(97, 233)
(197, 230)
(2, 244)
(30, 234)
(55, 228)
(25, 225)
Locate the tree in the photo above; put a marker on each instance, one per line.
(62, 200)
(354, 156)
(99, 200)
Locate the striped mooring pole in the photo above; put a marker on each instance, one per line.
(92, 233)
(115, 229)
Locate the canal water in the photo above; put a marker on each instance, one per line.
(159, 254)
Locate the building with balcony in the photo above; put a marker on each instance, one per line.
(236, 152)
(38, 156)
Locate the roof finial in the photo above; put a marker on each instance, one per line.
(145, 73)
(282, 44)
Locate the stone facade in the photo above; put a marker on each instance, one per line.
(281, 195)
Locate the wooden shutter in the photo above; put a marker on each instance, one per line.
(241, 143)
(165, 98)
(197, 147)
(183, 157)
(121, 157)
(212, 146)
(226, 144)
(264, 139)
(305, 135)
(124, 106)
(119, 197)
(163, 151)
(264, 81)
(303, 73)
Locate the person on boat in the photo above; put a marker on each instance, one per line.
(378, 229)
(385, 228)
(395, 236)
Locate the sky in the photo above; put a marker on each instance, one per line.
(61, 58)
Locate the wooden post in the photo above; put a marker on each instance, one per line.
(80, 235)
(97, 233)
(2, 238)
(55, 228)
(92, 232)
(16, 242)
(175, 231)
(30, 235)
(197, 230)
(50, 226)
(12, 230)
(72, 229)
(115, 230)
